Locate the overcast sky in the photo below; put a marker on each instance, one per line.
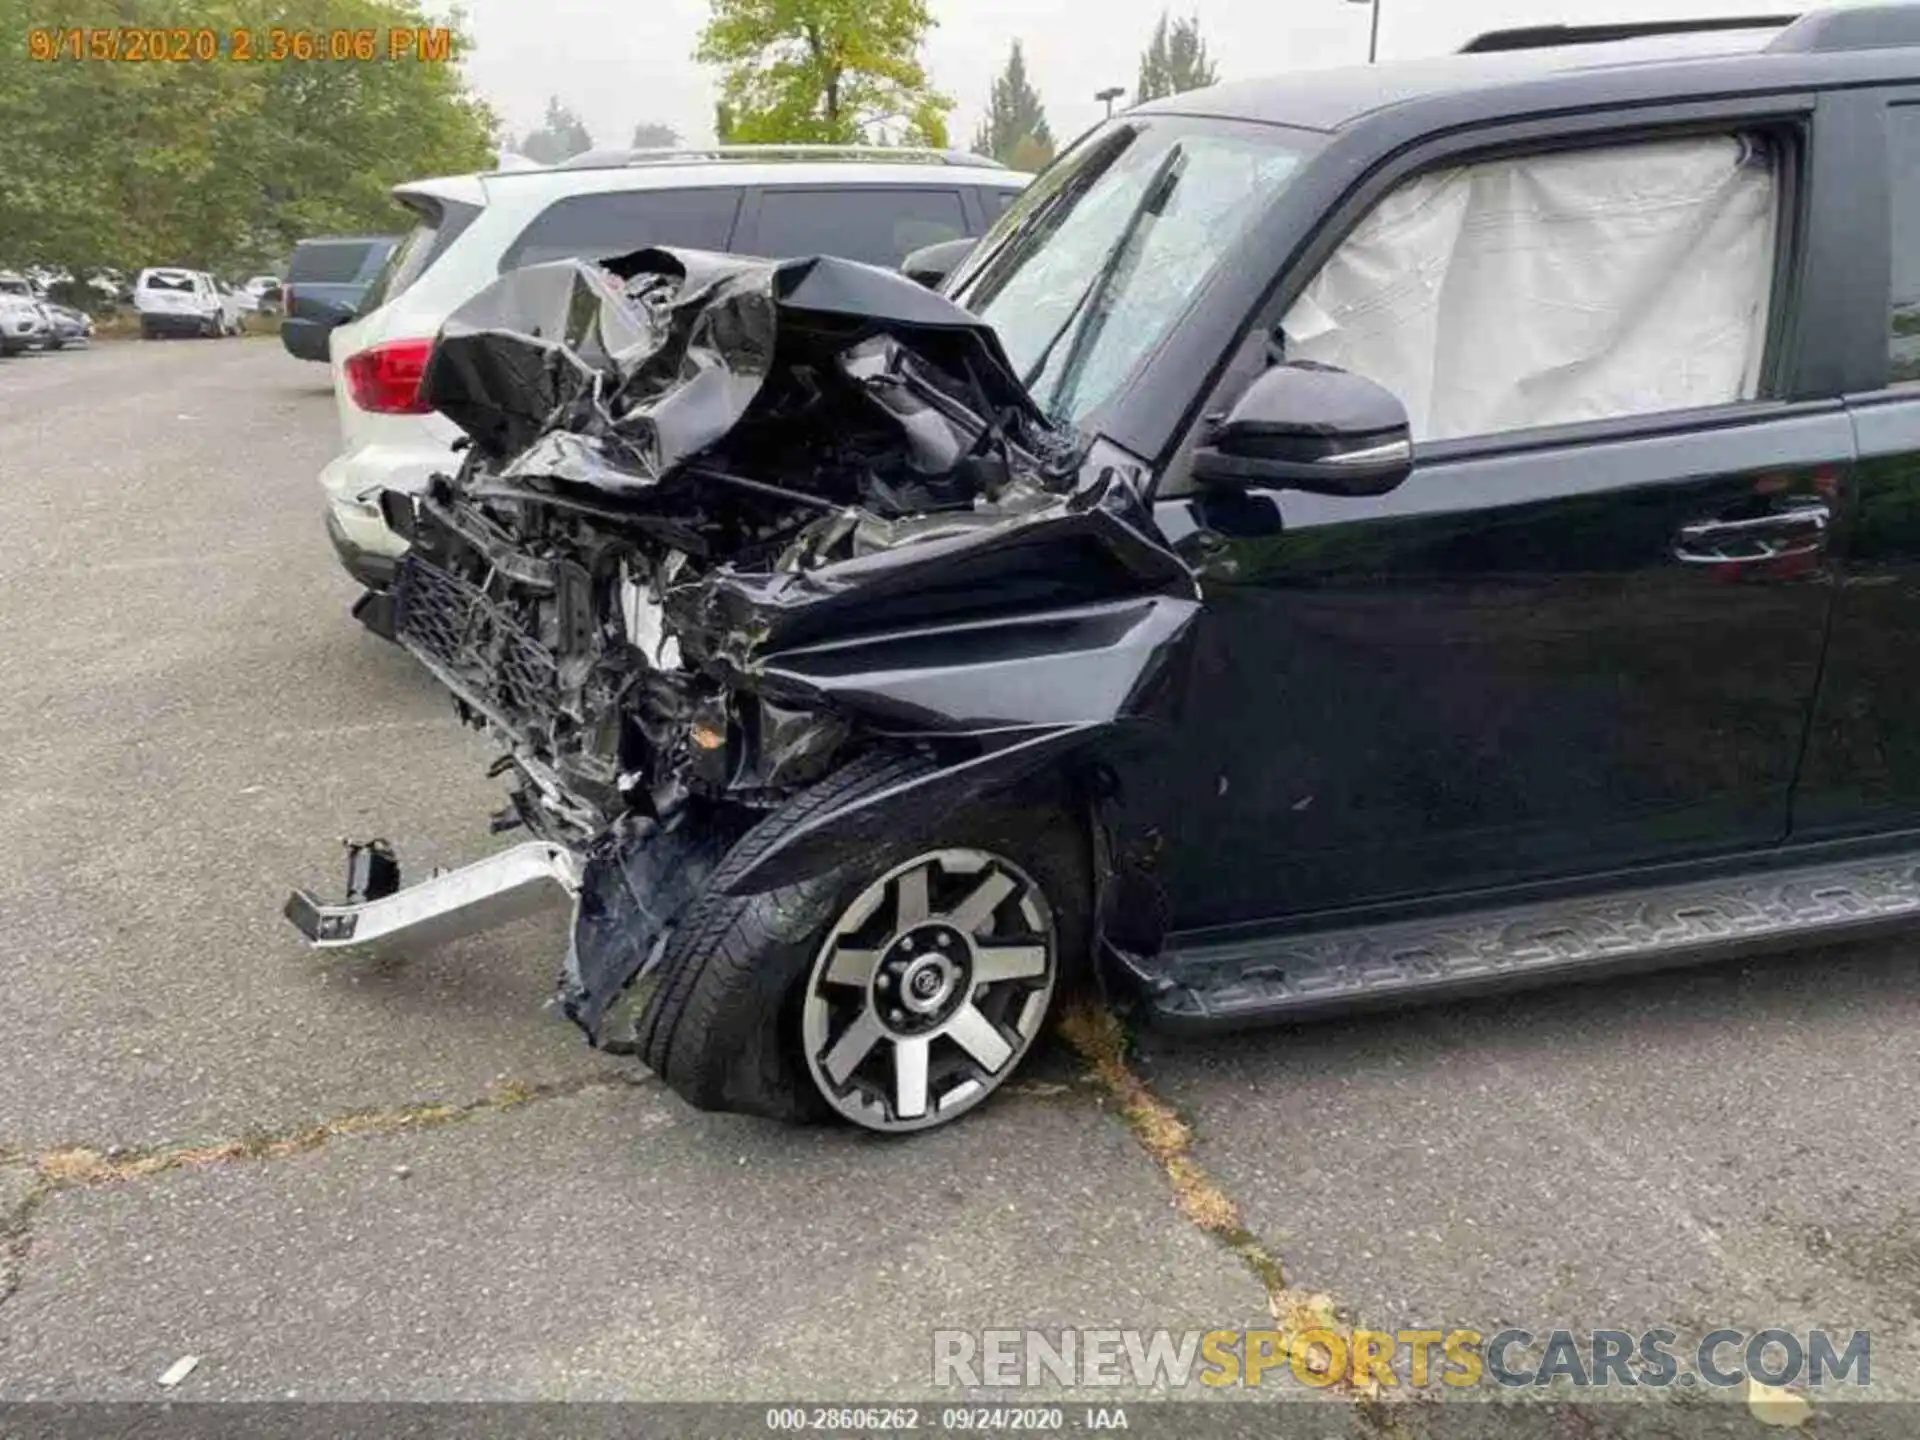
(617, 65)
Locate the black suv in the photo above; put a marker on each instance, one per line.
(327, 281)
(1336, 540)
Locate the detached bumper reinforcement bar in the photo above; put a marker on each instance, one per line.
(445, 906)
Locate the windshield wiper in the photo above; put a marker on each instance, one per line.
(1153, 201)
(1014, 249)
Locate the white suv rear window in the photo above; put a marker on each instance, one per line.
(598, 227)
(881, 225)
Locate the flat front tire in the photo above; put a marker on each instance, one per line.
(897, 991)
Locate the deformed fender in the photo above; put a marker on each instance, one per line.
(1098, 544)
(1085, 665)
(1050, 692)
(907, 810)
(1032, 644)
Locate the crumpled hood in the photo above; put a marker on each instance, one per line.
(612, 375)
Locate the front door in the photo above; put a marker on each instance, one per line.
(1565, 645)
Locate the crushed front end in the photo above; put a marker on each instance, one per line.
(722, 525)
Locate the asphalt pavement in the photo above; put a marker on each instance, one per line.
(329, 1179)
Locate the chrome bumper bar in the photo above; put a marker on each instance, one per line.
(442, 907)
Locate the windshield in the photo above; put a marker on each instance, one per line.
(1099, 258)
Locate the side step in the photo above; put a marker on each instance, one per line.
(1249, 982)
(442, 907)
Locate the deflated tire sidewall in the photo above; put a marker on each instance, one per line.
(722, 1027)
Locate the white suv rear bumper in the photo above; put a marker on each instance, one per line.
(368, 547)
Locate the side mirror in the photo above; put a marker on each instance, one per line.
(1310, 427)
(931, 264)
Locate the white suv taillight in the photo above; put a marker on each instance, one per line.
(385, 379)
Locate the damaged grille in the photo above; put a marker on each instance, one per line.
(476, 647)
(680, 464)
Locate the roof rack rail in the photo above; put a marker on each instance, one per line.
(1540, 37)
(1859, 27)
(691, 155)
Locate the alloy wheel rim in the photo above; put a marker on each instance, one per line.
(929, 989)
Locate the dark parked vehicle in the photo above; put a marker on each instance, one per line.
(66, 326)
(326, 280)
(1370, 536)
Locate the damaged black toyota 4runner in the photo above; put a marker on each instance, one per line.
(1340, 540)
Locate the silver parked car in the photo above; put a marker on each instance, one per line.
(66, 326)
(22, 325)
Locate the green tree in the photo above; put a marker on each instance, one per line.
(217, 163)
(1174, 61)
(648, 135)
(828, 71)
(1014, 115)
(560, 138)
(1030, 155)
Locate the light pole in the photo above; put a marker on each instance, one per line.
(1373, 30)
(1110, 94)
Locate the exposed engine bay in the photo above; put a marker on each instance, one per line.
(722, 524)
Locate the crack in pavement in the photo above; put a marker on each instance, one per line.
(1096, 1033)
(68, 1166)
(28, 1180)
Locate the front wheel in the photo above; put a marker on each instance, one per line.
(897, 991)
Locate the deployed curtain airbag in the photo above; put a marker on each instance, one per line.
(1555, 288)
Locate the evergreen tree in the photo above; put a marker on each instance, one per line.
(1174, 61)
(651, 135)
(1014, 114)
(561, 138)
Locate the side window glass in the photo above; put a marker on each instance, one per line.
(1903, 170)
(1548, 289)
(995, 201)
(597, 227)
(880, 225)
(328, 263)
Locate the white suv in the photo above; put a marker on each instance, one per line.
(865, 204)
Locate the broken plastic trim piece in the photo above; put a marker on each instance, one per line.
(443, 907)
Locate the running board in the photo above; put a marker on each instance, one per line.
(444, 906)
(1275, 978)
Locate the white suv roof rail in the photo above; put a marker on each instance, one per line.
(694, 155)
